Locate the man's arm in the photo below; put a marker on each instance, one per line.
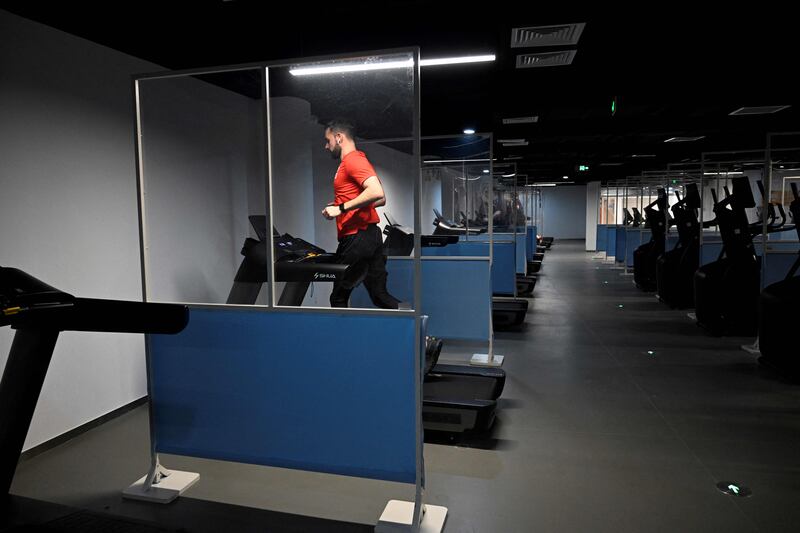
(372, 194)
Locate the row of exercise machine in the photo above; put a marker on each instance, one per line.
(725, 293)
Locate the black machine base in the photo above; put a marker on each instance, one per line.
(525, 285)
(508, 313)
(779, 314)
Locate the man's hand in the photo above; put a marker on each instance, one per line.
(331, 212)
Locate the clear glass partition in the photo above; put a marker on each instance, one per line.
(456, 185)
(236, 173)
(202, 172)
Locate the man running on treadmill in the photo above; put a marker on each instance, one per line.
(357, 192)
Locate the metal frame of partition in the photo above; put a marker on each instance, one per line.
(156, 472)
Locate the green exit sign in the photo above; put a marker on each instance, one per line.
(583, 168)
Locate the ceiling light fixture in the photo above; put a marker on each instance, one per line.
(337, 68)
(349, 67)
(456, 60)
(469, 131)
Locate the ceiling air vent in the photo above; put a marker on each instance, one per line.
(521, 120)
(546, 59)
(762, 110)
(557, 35)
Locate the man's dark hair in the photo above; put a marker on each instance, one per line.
(341, 126)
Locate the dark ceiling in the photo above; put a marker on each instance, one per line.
(673, 73)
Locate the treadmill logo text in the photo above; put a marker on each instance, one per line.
(322, 275)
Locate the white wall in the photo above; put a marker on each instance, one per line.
(564, 212)
(592, 203)
(68, 211)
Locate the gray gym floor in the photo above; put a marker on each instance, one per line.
(594, 434)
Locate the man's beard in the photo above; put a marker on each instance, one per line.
(336, 153)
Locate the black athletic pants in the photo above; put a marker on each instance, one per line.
(363, 251)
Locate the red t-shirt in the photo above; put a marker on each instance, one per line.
(349, 183)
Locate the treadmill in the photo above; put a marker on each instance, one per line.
(445, 226)
(456, 398)
(38, 313)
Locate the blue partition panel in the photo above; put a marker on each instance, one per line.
(611, 240)
(530, 242)
(672, 240)
(633, 239)
(311, 391)
(520, 254)
(504, 277)
(710, 251)
(456, 295)
(777, 265)
(619, 255)
(504, 274)
(602, 236)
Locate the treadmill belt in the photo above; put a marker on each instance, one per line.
(454, 388)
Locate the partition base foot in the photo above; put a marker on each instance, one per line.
(398, 516)
(482, 359)
(752, 348)
(169, 488)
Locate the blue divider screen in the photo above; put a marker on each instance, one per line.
(520, 265)
(633, 239)
(456, 295)
(619, 255)
(611, 240)
(520, 254)
(777, 265)
(602, 237)
(710, 251)
(530, 244)
(504, 277)
(311, 391)
(672, 240)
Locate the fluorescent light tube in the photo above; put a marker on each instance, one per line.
(456, 60)
(350, 67)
